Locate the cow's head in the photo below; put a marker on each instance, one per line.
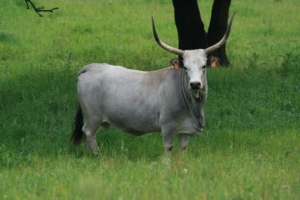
(194, 61)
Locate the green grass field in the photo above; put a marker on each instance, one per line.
(250, 148)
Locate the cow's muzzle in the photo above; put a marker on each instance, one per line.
(195, 85)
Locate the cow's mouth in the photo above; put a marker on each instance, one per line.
(196, 93)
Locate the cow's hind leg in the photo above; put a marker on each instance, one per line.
(90, 129)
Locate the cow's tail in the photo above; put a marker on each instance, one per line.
(78, 123)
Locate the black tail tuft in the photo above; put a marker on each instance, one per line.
(78, 123)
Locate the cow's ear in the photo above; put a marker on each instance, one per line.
(212, 61)
(176, 63)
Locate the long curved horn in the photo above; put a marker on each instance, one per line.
(214, 47)
(176, 51)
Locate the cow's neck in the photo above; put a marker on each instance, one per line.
(194, 105)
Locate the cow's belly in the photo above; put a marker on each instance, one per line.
(136, 125)
(138, 130)
(186, 127)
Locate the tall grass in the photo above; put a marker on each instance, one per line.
(248, 150)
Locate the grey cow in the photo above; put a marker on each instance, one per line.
(138, 102)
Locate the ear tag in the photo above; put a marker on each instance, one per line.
(214, 62)
(176, 66)
(175, 63)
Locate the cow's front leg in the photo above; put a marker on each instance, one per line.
(183, 140)
(168, 140)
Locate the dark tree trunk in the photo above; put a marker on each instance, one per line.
(217, 28)
(190, 28)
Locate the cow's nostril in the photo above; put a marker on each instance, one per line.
(195, 85)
